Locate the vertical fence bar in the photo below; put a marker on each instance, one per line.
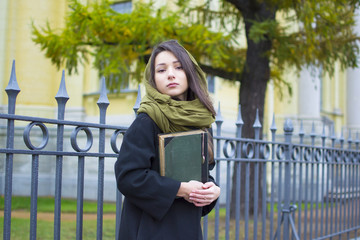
(80, 198)
(257, 127)
(288, 129)
(239, 125)
(323, 193)
(306, 200)
(342, 183)
(356, 182)
(301, 165)
(218, 122)
(312, 180)
(279, 187)
(272, 201)
(228, 200)
(61, 98)
(349, 186)
(337, 188)
(34, 195)
(247, 193)
(264, 154)
(103, 103)
(333, 181)
(294, 157)
(317, 191)
(328, 157)
(12, 91)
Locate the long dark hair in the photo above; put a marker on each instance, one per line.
(197, 88)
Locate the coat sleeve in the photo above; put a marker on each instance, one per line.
(136, 179)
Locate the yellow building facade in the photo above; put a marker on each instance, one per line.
(315, 98)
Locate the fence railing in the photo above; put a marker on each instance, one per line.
(40, 149)
(281, 188)
(309, 188)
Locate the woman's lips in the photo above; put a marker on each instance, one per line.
(172, 85)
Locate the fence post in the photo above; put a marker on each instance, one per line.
(103, 103)
(12, 91)
(273, 129)
(288, 130)
(218, 121)
(239, 124)
(257, 127)
(61, 98)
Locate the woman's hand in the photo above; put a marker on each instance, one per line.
(188, 187)
(206, 195)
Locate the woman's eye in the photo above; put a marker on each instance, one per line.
(161, 70)
(179, 67)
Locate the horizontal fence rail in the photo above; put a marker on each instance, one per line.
(285, 186)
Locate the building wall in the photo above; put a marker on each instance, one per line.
(37, 78)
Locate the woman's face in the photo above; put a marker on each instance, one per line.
(170, 77)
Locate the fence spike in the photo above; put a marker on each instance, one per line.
(103, 99)
(323, 132)
(342, 135)
(12, 90)
(313, 133)
(62, 97)
(62, 92)
(12, 85)
(288, 126)
(349, 136)
(239, 120)
(301, 130)
(138, 100)
(273, 124)
(219, 117)
(257, 123)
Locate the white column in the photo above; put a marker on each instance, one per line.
(309, 93)
(353, 90)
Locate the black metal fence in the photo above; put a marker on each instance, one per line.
(310, 187)
(303, 189)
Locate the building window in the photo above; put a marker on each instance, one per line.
(122, 7)
(124, 78)
(211, 83)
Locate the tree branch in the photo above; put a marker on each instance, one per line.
(220, 72)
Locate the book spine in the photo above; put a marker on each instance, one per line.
(162, 155)
(205, 163)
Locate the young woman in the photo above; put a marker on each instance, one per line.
(176, 99)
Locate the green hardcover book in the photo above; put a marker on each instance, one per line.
(183, 156)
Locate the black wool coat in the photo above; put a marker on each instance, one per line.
(151, 210)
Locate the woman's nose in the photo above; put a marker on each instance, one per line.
(171, 74)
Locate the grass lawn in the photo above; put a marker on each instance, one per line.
(20, 227)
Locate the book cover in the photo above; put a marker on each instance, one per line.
(183, 155)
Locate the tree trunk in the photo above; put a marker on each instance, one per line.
(253, 85)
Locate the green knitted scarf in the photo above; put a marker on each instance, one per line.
(171, 115)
